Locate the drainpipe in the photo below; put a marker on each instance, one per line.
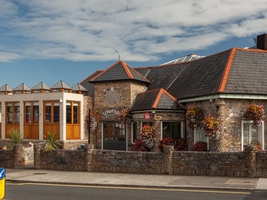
(89, 126)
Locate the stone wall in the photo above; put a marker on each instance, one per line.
(261, 164)
(209, 163)
(231, 164)
(66, 160)
(128, 162)
(12, 158)
(7, 158)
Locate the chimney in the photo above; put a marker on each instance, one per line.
(262, 41)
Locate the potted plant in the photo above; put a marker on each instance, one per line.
(165, 141)
(146, 142)
(255, 113)
(194, 116)
(180, 145)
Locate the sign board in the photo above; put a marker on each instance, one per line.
(2, 182)
(147, 115)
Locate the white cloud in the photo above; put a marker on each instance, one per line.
(91, 30)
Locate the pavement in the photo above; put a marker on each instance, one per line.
(30, 175)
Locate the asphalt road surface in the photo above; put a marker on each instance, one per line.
(28, 191)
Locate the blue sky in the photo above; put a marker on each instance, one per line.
(68, 40)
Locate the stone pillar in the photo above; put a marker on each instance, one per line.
(88, 157)
(37, 156)
(221, 139)
(18, 156)
(250, 161)
(168, 159)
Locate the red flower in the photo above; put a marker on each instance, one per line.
(200, 146)
(256, 113)
(179, 145)
(148, 132)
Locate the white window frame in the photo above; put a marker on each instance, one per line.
(197, 137)
(260, 136)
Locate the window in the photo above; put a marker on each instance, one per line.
(199, 135)
(113, 131)
(31, 112)
(252, 134)
(172, 129)
(134, 132)
(72, 112)
(52, 114)
(13, 112)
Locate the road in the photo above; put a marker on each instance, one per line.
(28, 191)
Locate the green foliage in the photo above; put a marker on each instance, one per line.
(51, 142)
(15, 136)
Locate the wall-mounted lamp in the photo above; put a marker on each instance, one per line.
(60, 100)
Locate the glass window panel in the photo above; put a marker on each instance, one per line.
(135, 133)
(48, 112)
(171, 129)
(36, 113)
(28, 114)
(16, 113)
(76, 113)
(68, 113)
(56, 112)
(9, 113)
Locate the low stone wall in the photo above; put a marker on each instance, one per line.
(232, 164)
(261, 164)
(209, 163)
(128, 162)
(66, 160)
(12, 158)
(7, 158)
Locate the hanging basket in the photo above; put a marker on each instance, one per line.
(255, 113)
(194, 116)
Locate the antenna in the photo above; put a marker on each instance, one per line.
(118, 54)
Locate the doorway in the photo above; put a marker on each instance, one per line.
(114, 136)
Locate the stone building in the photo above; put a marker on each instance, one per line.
(222, 85)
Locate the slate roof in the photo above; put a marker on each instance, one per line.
(6, 88)
(41, 86)
(120, 71)
(246, 73)
(61, 85)
(234, 71)
(89, 86)
(22, 87)
(78, 87)
(200, 77)
(158, 99)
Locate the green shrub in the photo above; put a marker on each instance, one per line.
(15, 136)
(51, 142)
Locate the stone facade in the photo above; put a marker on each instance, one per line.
(230, 113)
(126, 92)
